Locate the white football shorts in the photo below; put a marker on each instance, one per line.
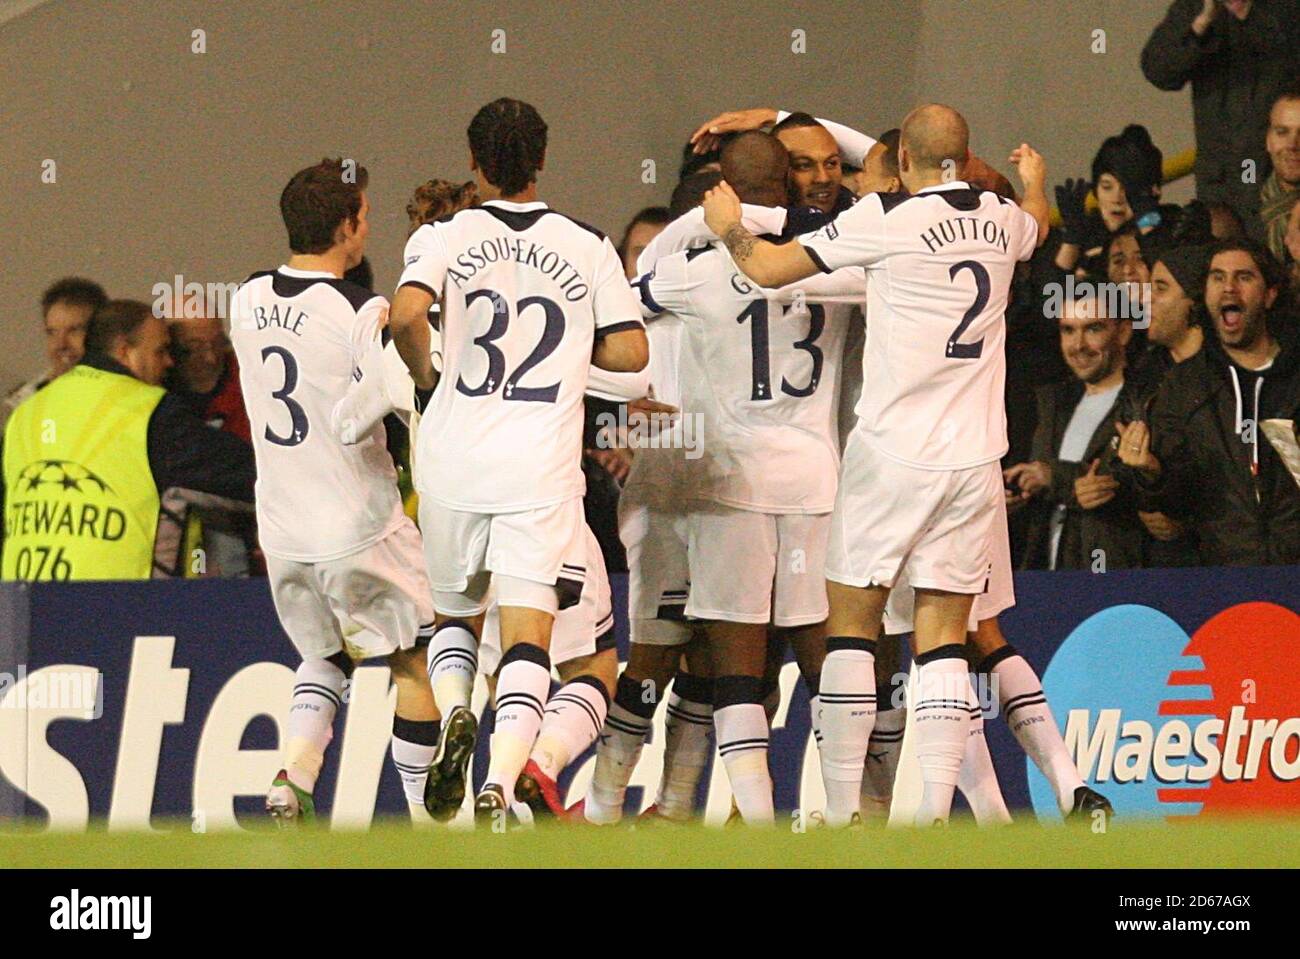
(534, 558)
(999, 597)
(935, 527)
(371, 603)
(658, 579)
(580, 630)
(749, 567)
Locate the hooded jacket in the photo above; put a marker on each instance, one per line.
(1219, 473)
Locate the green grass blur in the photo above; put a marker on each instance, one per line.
(1210, 843)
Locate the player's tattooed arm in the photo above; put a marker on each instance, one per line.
(740, 242)
(408, 319)
(765, 263)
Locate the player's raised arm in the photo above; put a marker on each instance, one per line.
(1033, 174)
(854, 145)
(767, 264)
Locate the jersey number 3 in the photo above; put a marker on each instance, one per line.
(297, 415)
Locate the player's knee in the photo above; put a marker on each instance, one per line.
(343, 662)
(408, 665)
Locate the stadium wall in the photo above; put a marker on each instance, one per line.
(170, 161)
(131, 703)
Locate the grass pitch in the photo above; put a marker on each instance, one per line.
(1261, 843)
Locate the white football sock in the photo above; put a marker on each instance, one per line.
(317, 695)
(883, 751)
(847, 695)
(626, 726)
(942, 719)
(978, 780)
(1026, 712)
(742, 734)
(523, 683)
(453, 663)
(688, 744)
(413, 745)
(573, 719)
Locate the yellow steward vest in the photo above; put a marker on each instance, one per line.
(80, 500)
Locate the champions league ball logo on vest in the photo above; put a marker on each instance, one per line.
(1172, 726)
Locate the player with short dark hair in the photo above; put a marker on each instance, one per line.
(342, 556)
(530, 298)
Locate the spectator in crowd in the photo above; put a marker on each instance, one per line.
(1278, 194)
(645, 225)
(1292, 243)
(1225, 222)
(65, 308)
(88, 459)
(1203, 460)
(205, 376)
(1124, 258)
(1238, 55)
(1079, 507)
(1174, 336)
(1126, 176)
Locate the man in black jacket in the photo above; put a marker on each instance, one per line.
(1083, 518)
(1204, 460)
(1175, 335)
(1239, 55)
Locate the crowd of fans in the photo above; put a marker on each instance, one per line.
(1134, 418)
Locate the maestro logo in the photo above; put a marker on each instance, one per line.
(1168, 725)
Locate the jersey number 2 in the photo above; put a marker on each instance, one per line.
(969, 351)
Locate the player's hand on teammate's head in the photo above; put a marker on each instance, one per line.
(721, 208)
(1031, 166)
(708, 135)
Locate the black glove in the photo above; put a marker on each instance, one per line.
(1071, 199)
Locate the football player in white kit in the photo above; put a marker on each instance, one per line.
(582, 651)
(920, 479)
(530, 298)
(1006, 674)
(759, 524)
(342, 557)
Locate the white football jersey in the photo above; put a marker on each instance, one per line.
(940, 265)
(301, 337)
(767, 362)
(525, 293)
